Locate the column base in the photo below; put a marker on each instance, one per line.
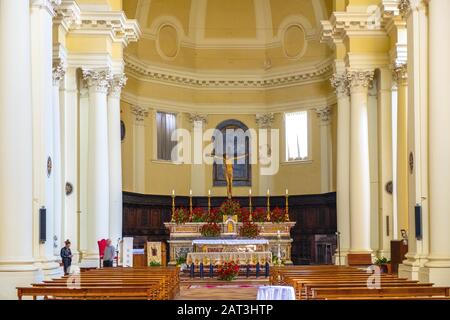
(14, 275)
(436, 271)
(410, 267)
(342, 259)
(49, 269)
(90, 260)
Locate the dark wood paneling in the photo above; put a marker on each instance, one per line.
(144, 217)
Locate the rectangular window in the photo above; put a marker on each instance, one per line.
(165, 126)
(296, 124)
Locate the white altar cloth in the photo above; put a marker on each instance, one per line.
(276, 293)
(230, 242)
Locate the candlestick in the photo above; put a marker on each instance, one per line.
(268, 205)
(286, 216)
(190, 205)
(250, 218)
(209, 202)
(173, 205)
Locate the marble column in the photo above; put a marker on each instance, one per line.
(416, 16)
(16, 176)
(98, 82)
(437, 269)
(339, 82)
(401, 77)
(41, 15)
(115, 158)
(326, 152)
(58, 75)
(359, 83)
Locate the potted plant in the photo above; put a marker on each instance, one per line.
(228, 271)
(210, 230)
(154, 264)
(181, 215)
(249, 230)
(259, 215)
(278, 215)
(384, 264)
(199, 215)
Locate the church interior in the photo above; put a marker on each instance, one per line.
(212, 149)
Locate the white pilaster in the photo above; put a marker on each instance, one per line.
(139, 146)
(198, 168)
(326, 159)
(416, 15)
(339, 82)
(16, 176)
(58, 75)
(359, 82)
(437, 269)
(115, 158)
(385, 161)
(98, 164)
(43, 131)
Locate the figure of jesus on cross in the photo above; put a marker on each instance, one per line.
(228, 162)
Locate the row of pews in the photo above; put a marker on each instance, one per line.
(350, 283)
(148, 283)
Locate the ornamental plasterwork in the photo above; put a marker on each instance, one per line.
(100, 80)
(135, 67)
(195, 118)
(405, 7)
(115, 23)
(340, 84)
(324, 113)
(118, 81)
(59, 71)
(265, 120)
(49, 5)
(400, 72)
(360, 79)
(139, 112)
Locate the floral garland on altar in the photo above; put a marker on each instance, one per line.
(228, 271)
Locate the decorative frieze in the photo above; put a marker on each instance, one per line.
(139, 112)
(100, 80)
(360, 79)
(265, 120)
(118, 81)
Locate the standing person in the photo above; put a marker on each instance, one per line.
(109, 255)
(66, 256)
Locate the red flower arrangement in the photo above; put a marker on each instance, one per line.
(199, 215)
(259, 215)
(210, 230)
(230, 208)
(228, 271)
(214, 216)
(180, 215)
(244, 215)
(278, 215)
(249, 230)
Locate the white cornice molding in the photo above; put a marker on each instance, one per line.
(260, 80)
(227, 108)
(352, 24)
(48, 5)
(67, 14)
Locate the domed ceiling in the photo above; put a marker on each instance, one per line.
(231, 36)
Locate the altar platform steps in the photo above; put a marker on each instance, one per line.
(240, 281)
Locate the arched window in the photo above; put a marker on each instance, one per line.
(234, 141)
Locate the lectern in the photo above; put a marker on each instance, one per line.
(399, 248)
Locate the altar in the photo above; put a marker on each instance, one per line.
(241, 251)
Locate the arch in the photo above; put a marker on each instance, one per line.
(230, 131)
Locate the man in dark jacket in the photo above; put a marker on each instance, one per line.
(66, 256)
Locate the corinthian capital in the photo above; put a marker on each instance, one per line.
(98, 79)
(339, 83)
(324, 113)
(360, 79)
(265, 120)
(139, 112)
(59, 71)
(400, 73)
(407, 6)
(196, 118)
(117, 83)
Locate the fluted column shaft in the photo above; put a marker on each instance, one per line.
(359, 82)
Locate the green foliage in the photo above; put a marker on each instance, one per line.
(181, 260)
(382, 261)
(154, 264)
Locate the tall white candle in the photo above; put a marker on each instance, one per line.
(287, 191)
(173, 192)
(268, 192)
(190, 192)
(250, 191)
(209, 192)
